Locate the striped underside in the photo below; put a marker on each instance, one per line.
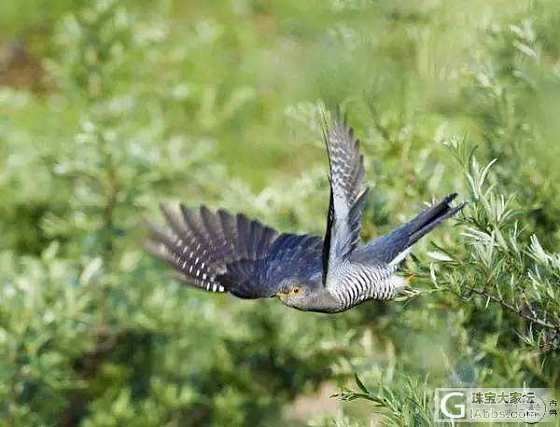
(359, 283)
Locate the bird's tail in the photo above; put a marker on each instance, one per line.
(393, 247)
(203, 245)
(430, 218)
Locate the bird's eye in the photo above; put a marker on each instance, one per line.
(295, 291)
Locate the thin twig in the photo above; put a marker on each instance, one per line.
(529, 317)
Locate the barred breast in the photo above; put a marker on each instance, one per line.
(358, 282)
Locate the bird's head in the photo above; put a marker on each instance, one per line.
(308, 295)
(295, 294)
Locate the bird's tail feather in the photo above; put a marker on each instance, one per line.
(430, 218)
(393, 247)
(203, 245)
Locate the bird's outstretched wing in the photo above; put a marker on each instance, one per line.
(348, 193)
(220, 252)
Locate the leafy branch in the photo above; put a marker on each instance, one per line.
(501, 262)
(411, 405)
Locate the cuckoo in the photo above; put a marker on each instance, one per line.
(220, 252)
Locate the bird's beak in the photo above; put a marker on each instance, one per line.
(282, 296)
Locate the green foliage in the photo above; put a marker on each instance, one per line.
(411, 405)
(217, 103)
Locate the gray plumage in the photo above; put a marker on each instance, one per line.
(220, 252)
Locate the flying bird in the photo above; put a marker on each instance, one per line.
(220, 252)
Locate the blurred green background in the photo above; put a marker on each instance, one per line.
(108, 108)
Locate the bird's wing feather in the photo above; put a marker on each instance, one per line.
(348, 193)
(293, 257)
(220, 252)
